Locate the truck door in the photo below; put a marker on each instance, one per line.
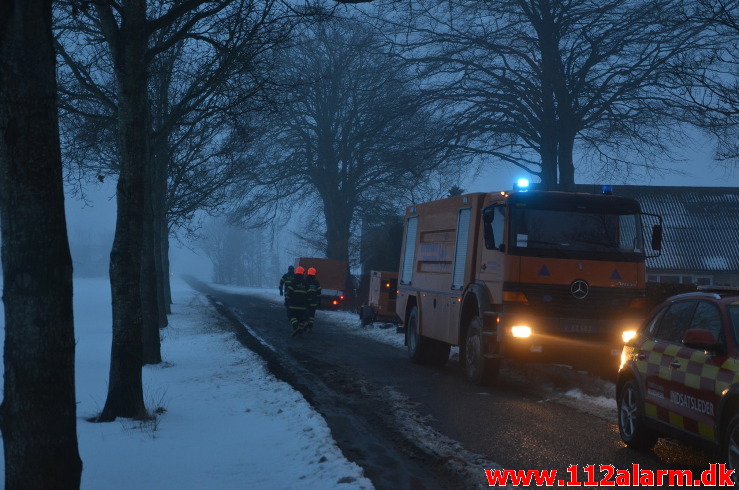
(491, 256)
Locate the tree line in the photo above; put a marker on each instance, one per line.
(251, 108)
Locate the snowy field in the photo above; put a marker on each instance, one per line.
(226, 422)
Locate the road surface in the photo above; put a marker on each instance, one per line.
(421, 427)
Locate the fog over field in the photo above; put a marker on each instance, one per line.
(91, 222)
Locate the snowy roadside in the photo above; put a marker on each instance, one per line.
(225, 422)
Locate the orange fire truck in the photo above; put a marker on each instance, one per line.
(525, 274)
(331, 274)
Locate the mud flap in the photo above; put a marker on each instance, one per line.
(491, 348)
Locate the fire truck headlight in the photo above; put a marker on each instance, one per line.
(521, 331)
(628, 335)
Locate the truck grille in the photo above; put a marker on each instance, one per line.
(558, 301)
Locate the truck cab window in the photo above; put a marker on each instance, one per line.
(493, 218)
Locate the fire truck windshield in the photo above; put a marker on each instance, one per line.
(576, 234)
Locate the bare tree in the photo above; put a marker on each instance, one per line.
(176, 97)
(198, 82)
(38, 413)
(350, 133)
(239, 256)
(708, 85)
(526, 81)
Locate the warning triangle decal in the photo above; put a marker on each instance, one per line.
(616, 276)
(544, 271)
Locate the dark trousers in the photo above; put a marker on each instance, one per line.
(311, 315)
(297, 317)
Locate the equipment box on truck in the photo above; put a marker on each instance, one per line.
(531, 275)
(383, 292)
(331, 274)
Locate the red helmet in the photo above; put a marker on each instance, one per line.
(311, 271)
(299, 270)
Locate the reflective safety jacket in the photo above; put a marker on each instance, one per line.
(298, 293)
(285, 281)
(314, 291)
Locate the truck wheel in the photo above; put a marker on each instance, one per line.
(417, 345)
(631, 424)
(731, 447)
(479, 370)
(366, 314)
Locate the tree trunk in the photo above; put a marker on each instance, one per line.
(161, 170)
(548, 152)
(162, 308)
(38, 412)
(338, 233)
(152, 352)
(165, 267)
(549, 133)
(338, 226)
(565, 162)
(125, 388)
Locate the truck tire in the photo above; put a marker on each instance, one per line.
(417, 344)
(478, 369)
(366, 315)
(631, 424)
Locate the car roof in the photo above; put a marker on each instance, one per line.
(728, 293)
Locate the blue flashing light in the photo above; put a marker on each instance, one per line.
(607, 190)
(522, 184)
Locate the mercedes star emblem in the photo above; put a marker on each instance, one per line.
(579, 289)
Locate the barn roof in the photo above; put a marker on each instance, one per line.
(700, 229)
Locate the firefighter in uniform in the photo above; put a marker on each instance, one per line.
(285, 281)
(298, 291)
(314, 297)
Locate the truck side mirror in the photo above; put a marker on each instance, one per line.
(657, 238)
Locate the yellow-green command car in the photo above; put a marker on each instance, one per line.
(679, 375)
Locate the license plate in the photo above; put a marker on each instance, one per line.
(577, 328)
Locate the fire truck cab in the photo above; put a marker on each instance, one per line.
(526, 274)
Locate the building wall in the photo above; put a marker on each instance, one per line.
(713, 278)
